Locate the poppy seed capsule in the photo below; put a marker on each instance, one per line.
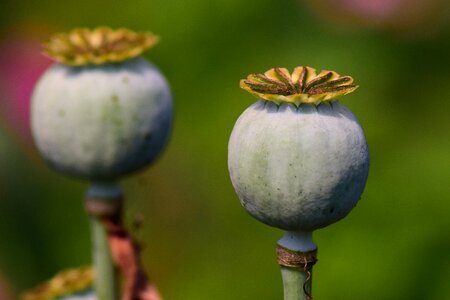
(73, 284)
(102, 111)
(298, 160)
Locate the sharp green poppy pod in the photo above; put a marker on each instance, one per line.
(102, 111)
(298, 159)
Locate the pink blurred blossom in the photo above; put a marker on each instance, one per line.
(406, 17)
(5, 289)
(21, 64)
(374, 8)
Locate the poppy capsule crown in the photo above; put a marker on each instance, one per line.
(302, 86)
(102, 45)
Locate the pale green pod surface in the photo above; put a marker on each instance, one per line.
(298, 167)
(101, 121)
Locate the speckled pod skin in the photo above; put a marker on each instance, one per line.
(100, 122)
(298, 167)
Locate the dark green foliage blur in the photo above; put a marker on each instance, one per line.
(198, 241)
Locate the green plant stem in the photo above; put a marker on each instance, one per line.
(105, 277)
(103, 200)
(293, 279)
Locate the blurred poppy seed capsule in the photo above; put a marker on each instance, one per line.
(298, 159)
(102, 111)
(73, 284)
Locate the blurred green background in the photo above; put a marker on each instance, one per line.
(199, 242)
